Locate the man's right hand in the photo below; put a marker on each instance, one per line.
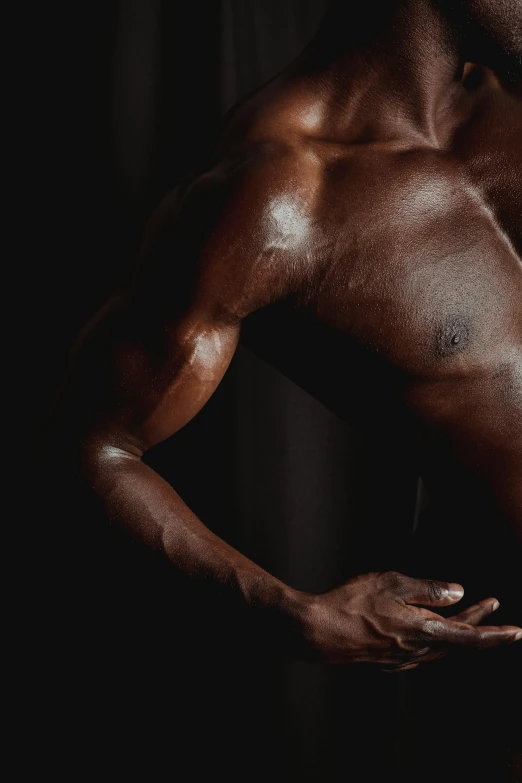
(378, 618)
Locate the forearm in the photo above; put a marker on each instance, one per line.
(138, 501)
(372, 618)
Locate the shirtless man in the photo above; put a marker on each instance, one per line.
(366, 201)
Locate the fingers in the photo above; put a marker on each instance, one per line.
(425, 592)
(457, 634)
(474, 615)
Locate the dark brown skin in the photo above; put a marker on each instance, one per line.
(370, 196)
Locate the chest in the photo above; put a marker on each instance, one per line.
(425, 275)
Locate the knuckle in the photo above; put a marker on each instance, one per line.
(393, 580)
(436, 590)
(427, 630)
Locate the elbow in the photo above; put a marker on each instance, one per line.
(80, 458)
(102, 456)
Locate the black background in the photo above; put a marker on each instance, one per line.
(121, 98)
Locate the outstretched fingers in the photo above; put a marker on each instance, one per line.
(474, 615)
(457, 634)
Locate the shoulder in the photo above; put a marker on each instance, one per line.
(237, 232)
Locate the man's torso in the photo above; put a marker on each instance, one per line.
(408, 311)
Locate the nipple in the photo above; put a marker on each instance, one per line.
(453, 336)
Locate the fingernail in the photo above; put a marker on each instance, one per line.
(495, 606)
(456, 592)
(518, 636)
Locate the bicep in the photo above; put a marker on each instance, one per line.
(140, 377)
(158, 352)
(180, 378)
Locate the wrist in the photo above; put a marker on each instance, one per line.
(296, 618)
(276, 616)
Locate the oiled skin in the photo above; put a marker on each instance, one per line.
(370, 197)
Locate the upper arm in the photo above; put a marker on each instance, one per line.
(155, 374)
(159, 352)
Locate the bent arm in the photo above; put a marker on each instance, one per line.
(147, 367)
(139, 379)
(136, 499)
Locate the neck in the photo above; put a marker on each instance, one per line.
(406, 67)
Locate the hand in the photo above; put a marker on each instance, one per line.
(376, 618)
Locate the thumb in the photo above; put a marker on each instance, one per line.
(428, 592)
